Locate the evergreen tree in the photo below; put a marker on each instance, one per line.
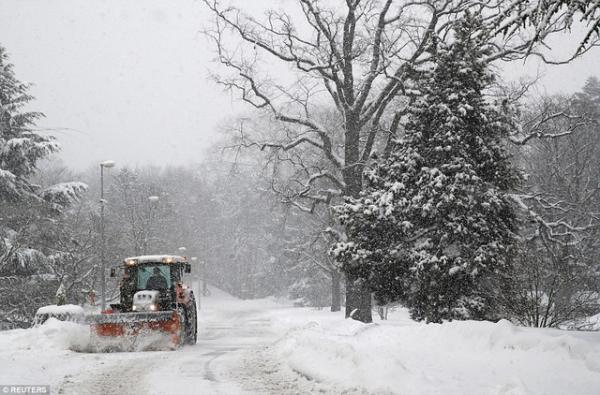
(27, 211)
(434, 228)
(61, 295)
(20, 146)
(587, 101)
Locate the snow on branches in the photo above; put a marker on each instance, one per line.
(27, 211)
(63, 194)
(20, 147)
(434, 226)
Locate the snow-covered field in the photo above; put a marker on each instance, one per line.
(264, 347)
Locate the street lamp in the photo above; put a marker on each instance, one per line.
(153, 201)
(202, 270)
(194, 259)
(106, 164)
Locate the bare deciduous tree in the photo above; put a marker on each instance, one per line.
(556, 272)
(359, 57)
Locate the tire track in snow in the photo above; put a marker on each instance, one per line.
(118, 376)
(222, 342)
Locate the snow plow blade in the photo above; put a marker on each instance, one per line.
(136, 331)
(121, 318)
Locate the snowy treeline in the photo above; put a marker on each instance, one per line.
(221, 211)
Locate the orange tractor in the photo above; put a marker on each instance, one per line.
(156, 309)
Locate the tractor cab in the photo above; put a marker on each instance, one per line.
(160, 275)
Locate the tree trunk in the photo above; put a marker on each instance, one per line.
(335, 291)
(359, 306)
(358, 295)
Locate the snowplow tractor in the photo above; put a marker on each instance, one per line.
(156, 310)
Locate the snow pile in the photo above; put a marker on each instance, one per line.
(52, 335)
(461, 357)
(63, 309)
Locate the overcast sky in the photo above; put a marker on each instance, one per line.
(127, 80)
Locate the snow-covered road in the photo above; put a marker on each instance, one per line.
(262, 347)
(228, 330)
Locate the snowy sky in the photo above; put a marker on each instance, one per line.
(128, 80)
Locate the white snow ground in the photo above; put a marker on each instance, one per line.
(262, 347)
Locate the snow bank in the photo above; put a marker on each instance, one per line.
(63, 309)
(461, 357)
(45, 354)
(52, 335)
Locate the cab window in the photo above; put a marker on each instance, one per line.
(154, 277)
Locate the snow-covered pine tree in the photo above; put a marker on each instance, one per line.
(434, 228)
(20, 146)
(61, 295)
(27, 210)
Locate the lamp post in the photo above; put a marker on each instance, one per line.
(202, 267)
(153, 201)
(194, 260)
(106, 164)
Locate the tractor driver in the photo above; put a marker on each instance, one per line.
(156, 281)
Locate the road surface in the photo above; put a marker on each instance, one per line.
(230, 332)
(230, 357)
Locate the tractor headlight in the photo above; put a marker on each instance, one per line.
(134, 308)
(153, 307)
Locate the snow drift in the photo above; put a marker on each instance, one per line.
(63, 309)
(461, 357)
(52, 335)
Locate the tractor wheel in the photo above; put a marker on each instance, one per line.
(191, 323)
